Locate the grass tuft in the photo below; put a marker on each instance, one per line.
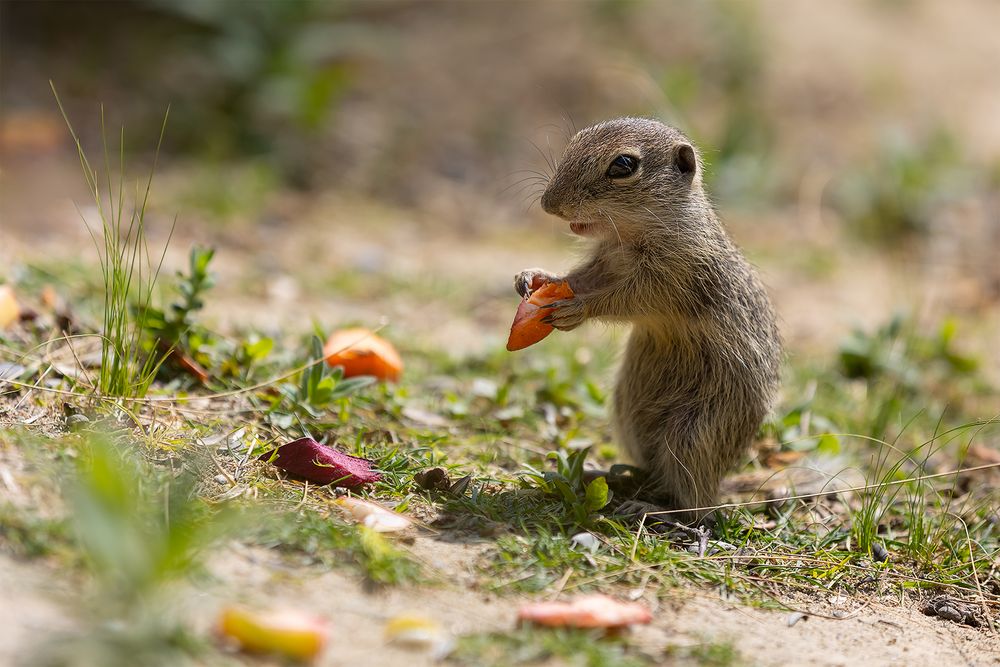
(127, 268)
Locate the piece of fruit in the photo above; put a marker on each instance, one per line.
(321, 464)
(419, 632)
(360, 352)
(587, 611)
(10, 311)
(528, 327)
(374, 516)
(288, 632)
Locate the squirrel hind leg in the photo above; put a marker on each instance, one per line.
(665, 520)
(661, 512)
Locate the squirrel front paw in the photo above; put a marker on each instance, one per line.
(566, 314)
(529, 280)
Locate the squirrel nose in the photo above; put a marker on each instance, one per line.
(551, 205)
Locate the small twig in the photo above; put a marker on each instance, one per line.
(562, 583)
(79, 363)
(27, 394)
(305, 493)
(698, 533)
(218, 465)
(638, 533)
(183, 360)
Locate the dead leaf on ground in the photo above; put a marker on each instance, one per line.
(320, 464)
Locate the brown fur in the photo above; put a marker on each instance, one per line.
(702, 363)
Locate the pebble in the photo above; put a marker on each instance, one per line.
(586, 541)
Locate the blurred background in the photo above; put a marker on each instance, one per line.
(361, 160)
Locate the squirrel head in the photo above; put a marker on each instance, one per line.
(622, 176)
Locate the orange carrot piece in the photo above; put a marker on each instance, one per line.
(528, 328)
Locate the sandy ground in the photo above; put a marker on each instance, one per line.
(871, 632)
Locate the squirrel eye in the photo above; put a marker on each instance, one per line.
(623, 166)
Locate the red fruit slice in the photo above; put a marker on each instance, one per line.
(588, 611)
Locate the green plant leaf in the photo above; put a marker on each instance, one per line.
(597, 494)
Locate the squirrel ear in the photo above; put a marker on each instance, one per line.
(685, 160)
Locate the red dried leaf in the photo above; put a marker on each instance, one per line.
(323, 465)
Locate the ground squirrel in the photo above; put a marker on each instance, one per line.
(702, 362)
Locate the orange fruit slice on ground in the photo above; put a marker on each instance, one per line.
(361, 352)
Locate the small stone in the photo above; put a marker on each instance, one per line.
(952, 609)
(795, 617)
(9, 370)
(586, 541)
(433, 479)
(484, 388)
(76, 420)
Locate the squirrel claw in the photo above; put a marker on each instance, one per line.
(529, 280)
(567, 314)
